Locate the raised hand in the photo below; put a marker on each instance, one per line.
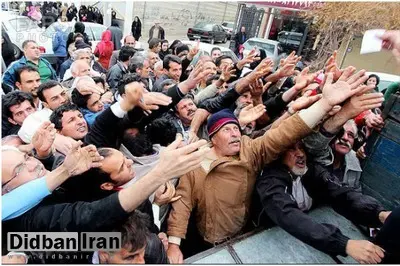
(391, 41)
(250, 58)
(362, 102)
(86, 86)
(336, 93)
(193, 52)
(227, 73)
(286, 70)
(152, 100)
(257, 89)
(331, 67)
(175, 161)
(43, 139)
(304, 101)
(373, 120)
(196, 76)
(262, 69)
(80, 160)
(64, 144)
(305, 78)
(107, 97)
(250, 113)
(291, 59)
(165, 194)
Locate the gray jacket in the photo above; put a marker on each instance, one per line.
(318, 146)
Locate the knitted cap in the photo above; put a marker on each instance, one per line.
(220, 119)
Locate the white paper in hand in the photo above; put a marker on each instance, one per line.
(371, 43)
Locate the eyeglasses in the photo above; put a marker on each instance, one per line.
(21, 167)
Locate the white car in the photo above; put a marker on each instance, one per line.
(21, 28)
(228, 27)
(271, 48)
(205, 49)
(385, 79)
(18, 28)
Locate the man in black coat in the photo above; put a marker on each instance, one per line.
(240, 38)
(290, 187)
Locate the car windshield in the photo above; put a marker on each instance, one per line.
(203, 26)
(22, 24)
(291, 37)
(269, 48)
(228, 25)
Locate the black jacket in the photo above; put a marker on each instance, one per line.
(274, 187)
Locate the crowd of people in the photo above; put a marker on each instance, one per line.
(49, 12)
(181, 152)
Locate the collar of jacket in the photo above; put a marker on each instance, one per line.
(122, 67)
(352, 162)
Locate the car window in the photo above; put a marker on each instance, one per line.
(269, 48)
(22, 24)
(97, 31)
(220, 28)
(224, 24)
(215, 28)
(203, 26)
(230, 25)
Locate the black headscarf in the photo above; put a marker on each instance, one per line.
(79, 27)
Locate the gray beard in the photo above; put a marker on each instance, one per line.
(299, 171)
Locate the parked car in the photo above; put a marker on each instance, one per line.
(18, 28)
(272, 48)
(385, 80)
(290, 38)
(228, 27)
(205, 49)
(207, 32)
(21, 28)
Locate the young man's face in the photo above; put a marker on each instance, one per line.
(123, 256)
(73, 125)
(227, 140)
(119, 168)
(55, 97)
(94, 103)
(225, 62)
(185, 110)
(31, 51)
(295, 159)
(30, 82)
(174, 71)
(20, 111)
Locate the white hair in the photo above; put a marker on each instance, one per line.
(158, 64)
(77, 53)
(9, 148)
(353, 124)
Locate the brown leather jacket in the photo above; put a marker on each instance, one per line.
(223, 194)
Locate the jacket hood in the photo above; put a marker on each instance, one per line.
(106, 36)
(79, 27)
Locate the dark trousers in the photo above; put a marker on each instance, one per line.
(60, 60)
(388, 238)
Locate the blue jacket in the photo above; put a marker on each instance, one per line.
(59, 44)
(10, 76)
(89, 116)
(64, 66)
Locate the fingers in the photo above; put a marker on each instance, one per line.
(335, 110)
(248, 107)
(174, 145)
(266, 86)
(175, 199)
(329, 79)
(348, 71)
(357, 79)
(188, 149)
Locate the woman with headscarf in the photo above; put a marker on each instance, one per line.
(7, 49)
(104, 49)
(164, 49)
(173, 46)
(136, 28)
(79, 28)
(373, 80)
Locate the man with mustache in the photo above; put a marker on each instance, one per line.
(289, 187)
(184, 113)
(332, 145)
(220, 191)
